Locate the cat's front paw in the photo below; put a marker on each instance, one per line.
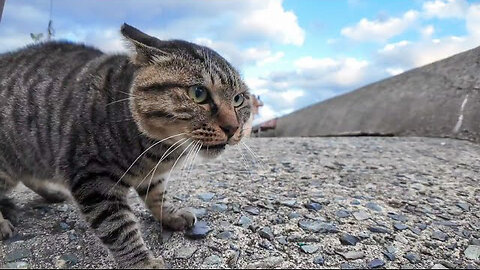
(153, 263)
(180, 220)
(6, 229)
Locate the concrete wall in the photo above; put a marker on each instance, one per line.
(438, 100)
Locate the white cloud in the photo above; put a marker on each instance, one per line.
(394, 71)
(472, 21)
(272, 58)
(380, 30)
(328, 71)
(445, 8)
(272, 21)
(427, 31)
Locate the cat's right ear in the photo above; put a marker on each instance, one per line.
(146, 47)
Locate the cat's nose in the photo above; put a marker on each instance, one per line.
(229, 130)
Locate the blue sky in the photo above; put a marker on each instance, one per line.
(292, 53)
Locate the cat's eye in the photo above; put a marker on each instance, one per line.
(198, 93)
(238, 100)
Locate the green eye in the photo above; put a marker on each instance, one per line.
(238, 100)
(198, 94)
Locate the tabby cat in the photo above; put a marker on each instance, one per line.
(96, 124)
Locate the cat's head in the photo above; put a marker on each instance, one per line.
(181, 87)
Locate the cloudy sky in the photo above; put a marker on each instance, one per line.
(292, 53)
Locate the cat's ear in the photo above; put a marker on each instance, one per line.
(146, 47)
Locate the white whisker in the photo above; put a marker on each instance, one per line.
(164, 156)
(143, 153)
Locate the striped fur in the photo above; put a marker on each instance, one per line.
(97, 125)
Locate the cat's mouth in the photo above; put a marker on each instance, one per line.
(213, 150)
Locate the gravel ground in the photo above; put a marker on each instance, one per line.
(308, 202)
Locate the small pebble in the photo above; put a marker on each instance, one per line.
(206, 197)
(412, 258)
(439, 235)
(400, 226)
(313, 206)
(252, 210)
(373, 206)
(319, 260)
(198, 231)
(361, 215)
(472, 252)
(266, 233)
(375, 263)
(342, 213)
(219, 207)
(378, 229)
(309, 249)
(348, 239)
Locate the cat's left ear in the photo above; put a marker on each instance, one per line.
(146, 47)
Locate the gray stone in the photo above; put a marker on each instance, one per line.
(348, 239)
(464, 206)
(342, 213)
(373, 206)
(347, 266)
(364, 235)
(264, 243)
(18, 254)
(421, 226)
(401, 218)
(289, 203)
(282, 240)
(225, 235)
(390, 256)
(378, 229)
(213, 260)
(313, 206)
(198, 231)
(375, 263)
(199, 212)
(266, 233)
(439, 235)
(319, 260)
(412, 258)
(244, 221)
(400, 226)
(293, 215)
(16, 265)
(206, 197)
(185, 252)
(317, 226)
(472, 252)
(309, 249)
(252, 210)
(219, 207)
(69, 259)
(270, 262)
(352, 255)
(438, 266)
(361, 215)
(355, 202)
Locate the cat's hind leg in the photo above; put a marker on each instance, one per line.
(7, 208)
(164, 211)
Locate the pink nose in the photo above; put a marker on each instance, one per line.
(229, 130)
(227, 120)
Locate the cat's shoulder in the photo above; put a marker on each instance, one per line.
(57, 47)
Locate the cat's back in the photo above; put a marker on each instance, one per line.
(49, 57)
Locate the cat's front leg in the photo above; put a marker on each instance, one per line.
(154, 196)
(105, 207)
